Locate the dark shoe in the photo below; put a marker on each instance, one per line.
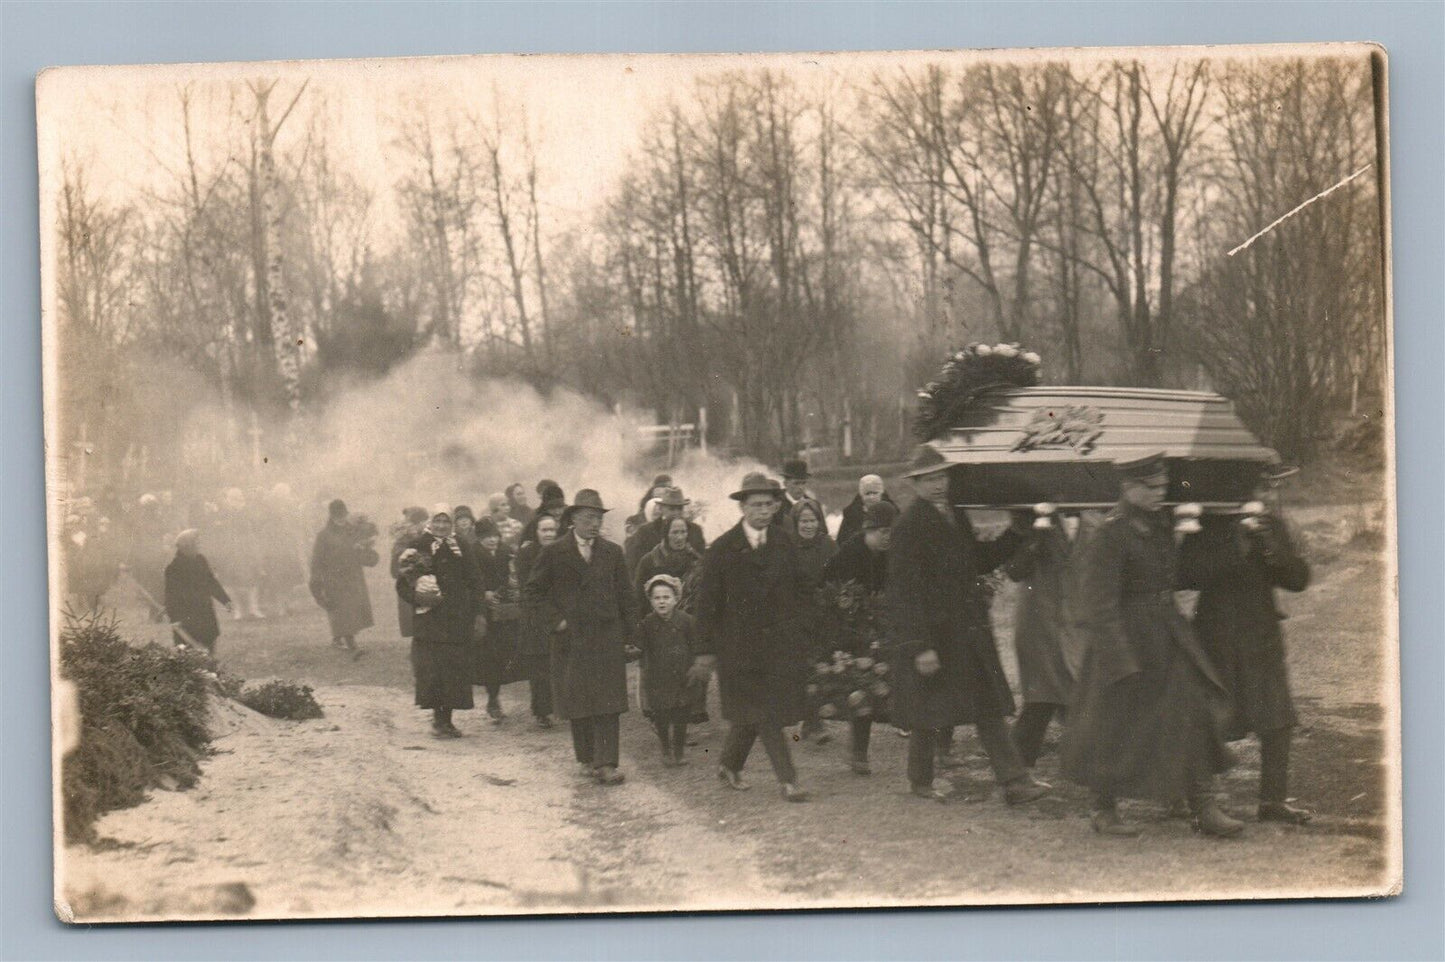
(1210, 819)
(793, 793)
(1025, 789)
(453, 731)
(1284, 812)
(443, 731)
(928, 792)
(732, 779)
(609, 775)
(1108, 822)
(860, 766)
(494, 711)
(544, 721)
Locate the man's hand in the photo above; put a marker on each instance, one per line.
(927, 663)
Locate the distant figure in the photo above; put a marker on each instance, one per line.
(670, 506)
(499, 511)
(237, 550)
(517, 505)
(580, 594)
(498, 610)
(190, 587)
(815, 548)
(94, 564)
(554, 505)
(795, 484)
(338, 583)
(280, 533)
(146, 554)
(404, 534)
(870, 491)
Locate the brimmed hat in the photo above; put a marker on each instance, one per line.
(796, 469)
(1148, 469)
(673, 499)
(756, 482)
(551, 494)
(926, 461)
(463, 511)
(880, 515)
(586, 498)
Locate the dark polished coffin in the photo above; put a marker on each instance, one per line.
(1016, 447)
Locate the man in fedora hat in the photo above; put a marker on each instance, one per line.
(946, 665)
(748, 611)
(671, 505)
(1146, 718)
(1235, 563)
(580, 594)
(795, 484)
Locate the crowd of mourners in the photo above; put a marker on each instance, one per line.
(1147, 699)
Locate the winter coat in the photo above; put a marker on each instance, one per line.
(750, 615)
(654, 533)
(404, 608)
(855, 561)
(1048, 647)
(595, 600)
(1149, 707)
(497, 652)
(531, 638)
(853, 517)
(933, 600)
(338, 582)
(190, 588)
(668, 649)
(661, 560)
(1237, 621)
(442, 652)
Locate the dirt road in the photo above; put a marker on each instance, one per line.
(361, 813)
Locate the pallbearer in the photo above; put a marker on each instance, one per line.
(1236, 563)
(945, 663)
(1145, 722)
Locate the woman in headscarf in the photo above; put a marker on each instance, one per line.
(189, 589)
(441, 648)
(532, 638)
(517, 505)
(815, 549)
(672, 556)
(464, 525)
(554, 504)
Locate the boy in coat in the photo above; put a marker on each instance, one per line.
(581, 595)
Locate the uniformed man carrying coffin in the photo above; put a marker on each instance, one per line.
(580, 592)
(946, 665)
(1147, 714)
(1236, 563)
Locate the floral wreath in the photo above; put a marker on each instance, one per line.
(966, 374)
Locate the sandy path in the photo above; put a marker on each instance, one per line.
(362, 813)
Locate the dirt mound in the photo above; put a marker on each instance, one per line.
(226, 717)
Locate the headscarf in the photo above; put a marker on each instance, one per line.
(188, 539)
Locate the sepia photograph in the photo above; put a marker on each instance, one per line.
(542, 485)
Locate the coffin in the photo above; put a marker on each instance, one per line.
(1016, 447)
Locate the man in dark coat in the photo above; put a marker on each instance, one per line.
(190, 587)
(795, 485)
(946, 665)
(1044, 639)
(652, 534)
(870, 491)
(338, 581)
(748, 611)
(1236, 564)
(580, 592)
(441, 647)
(1149, 707)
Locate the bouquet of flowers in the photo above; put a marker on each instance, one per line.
(966, 374)
(853, 682)
(416, 568)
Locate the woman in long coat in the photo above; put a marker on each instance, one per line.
(749, 615)
(807, 525)
(1044, 640)
(673, 555)
(441, 647)
(1236, 572)
(498, 607)
(946, 665)
(338, 581)
(404, 535)
(190, 588)
(532, 637)
(1149, 710)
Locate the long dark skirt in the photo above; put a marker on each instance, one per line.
(497, 663)
(1154, 734)
(443, 675)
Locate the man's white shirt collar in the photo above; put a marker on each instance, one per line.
(757, 537)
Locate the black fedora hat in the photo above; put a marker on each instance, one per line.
(586, 498)
(795, 469)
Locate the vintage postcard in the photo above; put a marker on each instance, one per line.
(513, 485)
